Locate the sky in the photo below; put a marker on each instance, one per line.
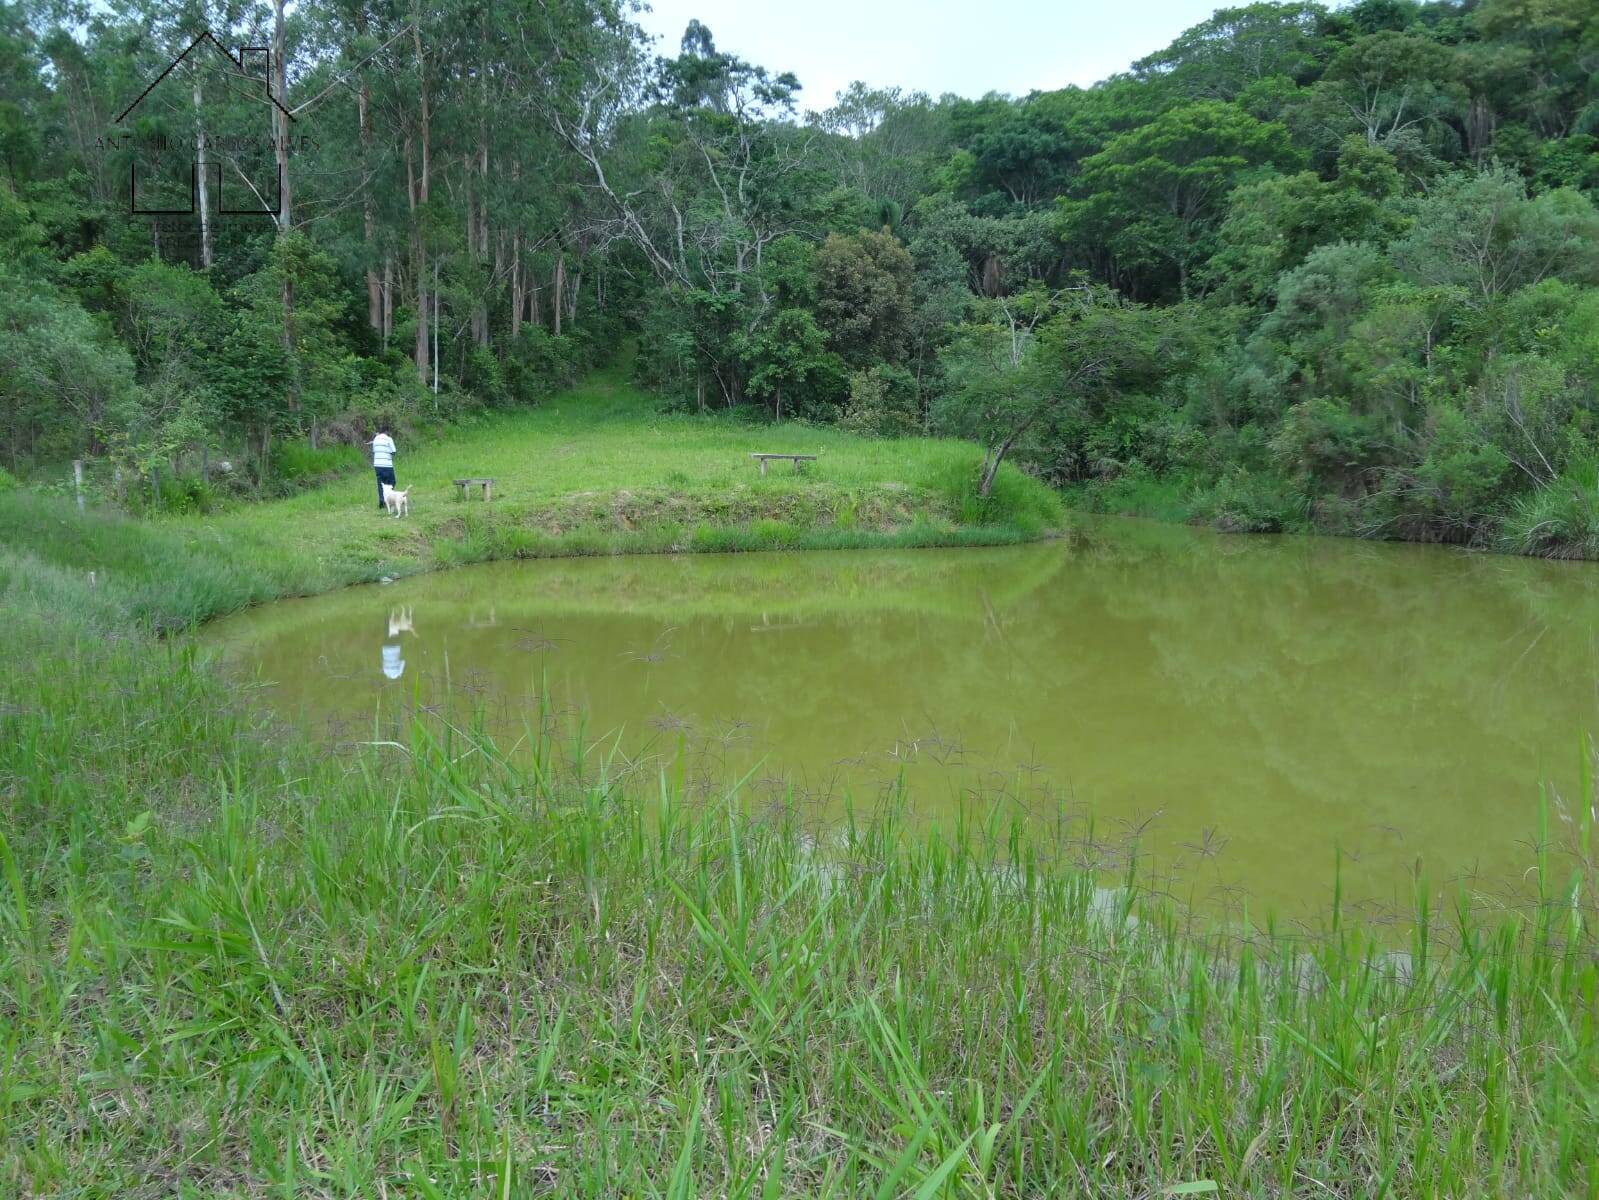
(969, 47)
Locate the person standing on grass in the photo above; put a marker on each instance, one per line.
(383, 462)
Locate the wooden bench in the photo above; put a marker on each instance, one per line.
(796, 459)
(486, 484)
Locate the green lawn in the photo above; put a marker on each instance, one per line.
(600, 469)
(597, 470)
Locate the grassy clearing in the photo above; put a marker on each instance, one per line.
(233, 965)
(599, 470)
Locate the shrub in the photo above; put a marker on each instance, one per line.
(485, 378)
(882, 403)
(298, 464)
(1251, 502)
(538, 363)
(1560, 520)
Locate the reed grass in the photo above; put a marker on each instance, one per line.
(232, 964)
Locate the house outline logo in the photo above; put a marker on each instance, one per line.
(237, 62)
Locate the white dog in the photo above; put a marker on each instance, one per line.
(400, 621)
(397, 502)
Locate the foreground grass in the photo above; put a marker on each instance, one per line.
(231, 965)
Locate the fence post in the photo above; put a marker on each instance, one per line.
(77, 480)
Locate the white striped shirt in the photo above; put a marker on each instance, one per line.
(383, 451)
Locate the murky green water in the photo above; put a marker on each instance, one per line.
(1248, 704)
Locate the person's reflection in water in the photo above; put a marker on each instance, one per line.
(393, 659)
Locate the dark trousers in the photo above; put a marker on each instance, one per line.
(385, 475)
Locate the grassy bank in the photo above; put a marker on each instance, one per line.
(233, 965)
(1560, 520)
(599, 470)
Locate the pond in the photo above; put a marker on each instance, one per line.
(1241, 707)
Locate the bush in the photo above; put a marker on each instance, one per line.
(185, 494)
(1560, 520)
(8, 481)
(1462, 477)
(538, 363)
(297, 462)
(1328, 448)
(1251, 502)
(485, 378)
(882, 403)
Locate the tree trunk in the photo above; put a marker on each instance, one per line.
(990, 469)
(516, 284)
(994, 455)
(420, 199)
(280, 123)
(280, 120)
(375, 301)
(419, 351)
(560, 286)
(470, 211)
(202, 181)
(480, 312)
(374, 286)
(289, 347)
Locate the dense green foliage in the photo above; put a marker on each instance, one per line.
(235, 964)
(1305, 267)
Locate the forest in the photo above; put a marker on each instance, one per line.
(1306, 268)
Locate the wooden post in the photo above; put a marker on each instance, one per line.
(77, 480)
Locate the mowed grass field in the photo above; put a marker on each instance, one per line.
(600, 469)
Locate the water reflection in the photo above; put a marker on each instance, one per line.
(393, 656)
(1240, 706)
